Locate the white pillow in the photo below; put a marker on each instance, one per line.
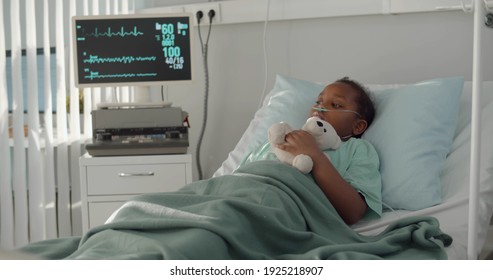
(412, 132)
(417, 121)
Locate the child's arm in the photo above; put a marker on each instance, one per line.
(348, 202)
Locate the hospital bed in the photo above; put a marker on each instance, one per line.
(430, 122)
(441, 189)
(455, 181)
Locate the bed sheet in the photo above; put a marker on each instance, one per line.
(265, 210)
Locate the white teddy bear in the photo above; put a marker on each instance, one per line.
(324, 133)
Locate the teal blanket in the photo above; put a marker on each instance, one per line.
(266, 210)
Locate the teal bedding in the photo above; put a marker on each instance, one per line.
(265, 210)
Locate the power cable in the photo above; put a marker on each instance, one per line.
(204, 47)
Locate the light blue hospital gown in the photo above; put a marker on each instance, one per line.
(357, 162)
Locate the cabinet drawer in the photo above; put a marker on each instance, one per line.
(135, 179)
(99, 212)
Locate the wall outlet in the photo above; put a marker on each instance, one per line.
(205, 8)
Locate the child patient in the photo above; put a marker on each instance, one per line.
(350, 179)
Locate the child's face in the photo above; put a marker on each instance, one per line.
(337, 105)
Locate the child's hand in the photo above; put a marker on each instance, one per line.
(300, 142)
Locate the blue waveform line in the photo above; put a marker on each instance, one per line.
(93, 59)
(96, 75)
(109, 33)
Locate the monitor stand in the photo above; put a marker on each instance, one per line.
(127, 105)
(142, 94)
(142, 99)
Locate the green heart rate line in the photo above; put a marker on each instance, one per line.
(109, 33)
(95, 75)
(94, 59)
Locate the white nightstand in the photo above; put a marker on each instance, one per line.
(107, 182)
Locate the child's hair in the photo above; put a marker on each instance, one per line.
(366, 107)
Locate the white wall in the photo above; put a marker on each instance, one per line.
(372, 49)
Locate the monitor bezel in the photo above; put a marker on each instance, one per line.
(133, 83)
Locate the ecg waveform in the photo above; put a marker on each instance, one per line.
(109, 33)
(96, 75)
(94, 59)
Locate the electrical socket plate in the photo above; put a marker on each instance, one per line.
(205, 8)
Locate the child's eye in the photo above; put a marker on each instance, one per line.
(336, 105)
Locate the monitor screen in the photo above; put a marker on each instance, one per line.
(132, 50)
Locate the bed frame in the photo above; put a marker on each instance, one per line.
(479, 20)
